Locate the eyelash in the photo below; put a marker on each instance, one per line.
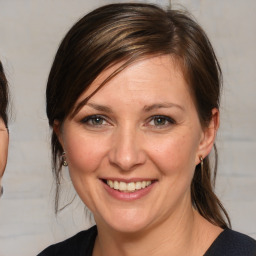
(90, 119)
(168, 121)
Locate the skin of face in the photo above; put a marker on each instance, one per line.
(4, 138)
(141, 125)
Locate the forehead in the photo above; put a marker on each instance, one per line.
(153, 71)
(157, 78)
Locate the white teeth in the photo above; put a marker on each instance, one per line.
(116, 185)
(110, 183)
(128, 187)
(138, 185)
(122, 186)
(131, 186)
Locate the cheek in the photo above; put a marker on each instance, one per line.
(83, 154)
(84, 157)
(175, 154)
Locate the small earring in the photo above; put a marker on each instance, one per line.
(202, 163)
(64, 160)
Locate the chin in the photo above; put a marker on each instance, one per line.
(128, 221)
(129, 228)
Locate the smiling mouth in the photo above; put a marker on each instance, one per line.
(128, 187)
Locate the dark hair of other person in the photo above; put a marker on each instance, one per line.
(3, 95)
(124, 34)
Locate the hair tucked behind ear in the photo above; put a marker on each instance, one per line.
(126, 33)
(203, 196)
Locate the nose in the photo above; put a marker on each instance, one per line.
(127, 149)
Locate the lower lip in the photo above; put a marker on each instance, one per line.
(128, 196)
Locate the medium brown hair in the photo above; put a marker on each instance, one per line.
(126, 33)
(3, 95)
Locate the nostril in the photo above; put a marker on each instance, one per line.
(127, 161)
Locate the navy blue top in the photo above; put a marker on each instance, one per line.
(232, 243)
(228, 243)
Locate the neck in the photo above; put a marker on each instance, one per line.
(187, 233)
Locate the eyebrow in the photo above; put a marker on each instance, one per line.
(100, 107)
(162, 105)
(146, 108)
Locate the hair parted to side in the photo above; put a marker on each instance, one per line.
(124, 33)
(3, 95)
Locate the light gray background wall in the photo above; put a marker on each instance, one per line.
(30, 32)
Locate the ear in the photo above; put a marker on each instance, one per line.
(57, 130)
(208, 136)
(4, 139)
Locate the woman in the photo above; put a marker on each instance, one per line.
(4, 138)
(133, 100)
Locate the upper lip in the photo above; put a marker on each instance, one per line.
(128, 180)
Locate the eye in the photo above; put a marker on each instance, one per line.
(94, 120)
(161, 121)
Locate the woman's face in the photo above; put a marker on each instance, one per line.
(3, 147)
(133, 148)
